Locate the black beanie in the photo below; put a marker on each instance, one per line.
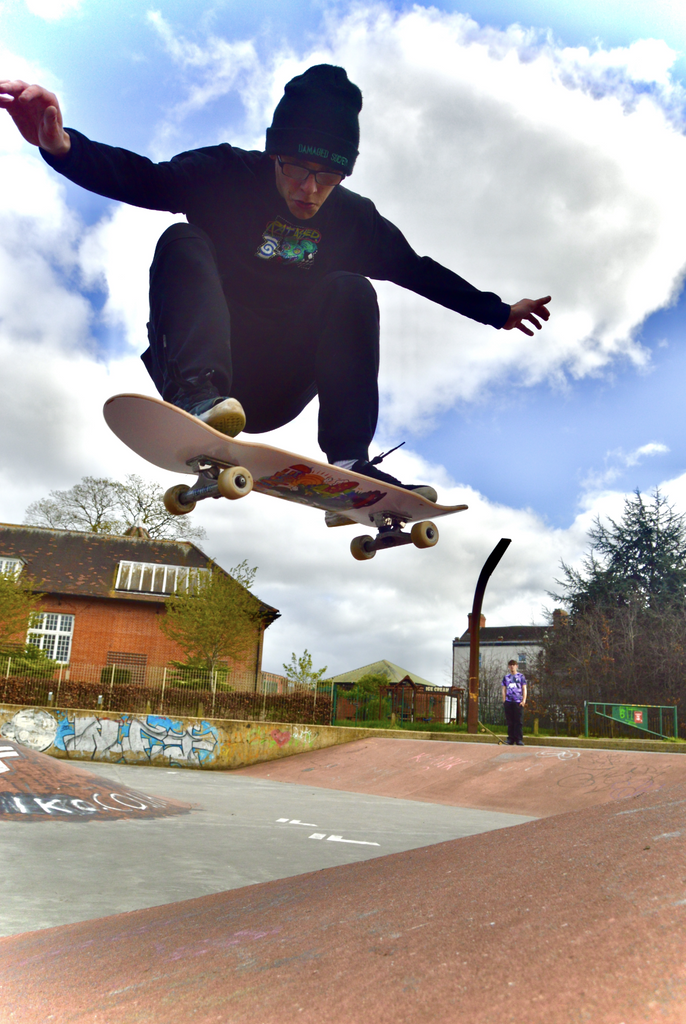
(317, 119)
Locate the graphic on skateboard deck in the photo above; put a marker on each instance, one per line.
(227, 467)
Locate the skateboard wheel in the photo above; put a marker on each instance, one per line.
(234, 482)
(172, 503)
(424, 535)
(361, 548)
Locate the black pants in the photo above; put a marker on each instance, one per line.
(514, 716)
(328, 345)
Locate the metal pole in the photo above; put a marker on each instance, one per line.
(676, 724)
(474, 628)
(586, 719)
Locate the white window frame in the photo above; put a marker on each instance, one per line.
(153, 578)
(52, 632)
(11, 565)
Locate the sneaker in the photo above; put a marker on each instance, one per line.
(200, 397)
(223, 414)
(370, 469)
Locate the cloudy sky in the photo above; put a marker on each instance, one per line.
(532, 147)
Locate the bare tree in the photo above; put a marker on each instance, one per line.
(101, 505)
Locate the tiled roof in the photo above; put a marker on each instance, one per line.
(507, 634)
(85, 564)
(394, 673)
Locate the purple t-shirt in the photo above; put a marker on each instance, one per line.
(514, 687)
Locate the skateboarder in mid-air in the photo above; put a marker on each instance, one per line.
(262, 300)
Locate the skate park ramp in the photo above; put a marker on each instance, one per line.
(35, 787)
(537, 781)
(578, 916)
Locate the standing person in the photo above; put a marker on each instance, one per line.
(514, 699)
(262, 300)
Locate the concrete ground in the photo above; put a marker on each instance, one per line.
(241, 831)
(577, 917)
(538, 781)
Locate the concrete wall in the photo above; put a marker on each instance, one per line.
(161, 740)
(221, 744)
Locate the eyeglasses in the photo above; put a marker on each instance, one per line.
(300, 173)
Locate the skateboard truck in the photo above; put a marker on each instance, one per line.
(390, 535)
(215, 480)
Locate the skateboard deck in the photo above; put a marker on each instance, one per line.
(174, 440)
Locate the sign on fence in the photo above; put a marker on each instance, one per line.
(631, 715)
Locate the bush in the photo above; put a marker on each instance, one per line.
(118, 677)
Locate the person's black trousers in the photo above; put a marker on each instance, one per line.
(329, 345)
(514, 716)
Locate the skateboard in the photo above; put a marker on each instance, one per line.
(227, 467)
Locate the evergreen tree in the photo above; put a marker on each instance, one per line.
(625, 636)
(639, 560)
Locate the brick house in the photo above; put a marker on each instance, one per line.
(102, 595)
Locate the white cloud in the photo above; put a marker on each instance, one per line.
(115, 255)
(526, 167)
(212, 70)
(617, 461)
(52, 10)
(652, 448)
(495, 159)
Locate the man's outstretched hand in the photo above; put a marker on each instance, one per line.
(37, 115)
(528, 309)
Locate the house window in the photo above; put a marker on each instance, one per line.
(52, 633)
(149, 578)
(521, 659)
(8, 565)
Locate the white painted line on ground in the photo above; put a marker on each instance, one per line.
(6, 752)
(318, 835)
(357, 842)
(296, 821)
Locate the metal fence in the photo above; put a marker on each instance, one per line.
(632, 720)
(395, 704)
(163, 690)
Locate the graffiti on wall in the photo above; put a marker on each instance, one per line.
(32, 728)
(154, 736)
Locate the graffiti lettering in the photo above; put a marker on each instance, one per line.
(155, 736)
(54, 805)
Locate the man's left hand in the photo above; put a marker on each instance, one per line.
(528, 309)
